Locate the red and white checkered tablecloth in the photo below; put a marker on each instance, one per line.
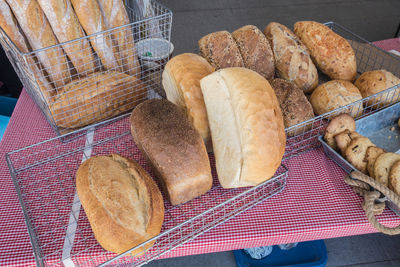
(316, 203)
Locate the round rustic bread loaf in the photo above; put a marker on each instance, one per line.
(372, 82)
(335, 94)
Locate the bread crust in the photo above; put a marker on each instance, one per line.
(382, 166)
(292, 59)
(335, 94)
(338, 124)
(173, 147)
(255, 50)
(220, 50)
(332, 54)
(181, 81)
(355, 152)
(124, 205)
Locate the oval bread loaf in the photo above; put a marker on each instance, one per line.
(122, 202)
(372, 82)
(246, 126)
(255, 50)
(292, 60)
(332, 54)
(335, 94)
(181, 81)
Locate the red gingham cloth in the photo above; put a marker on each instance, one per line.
(316, 203)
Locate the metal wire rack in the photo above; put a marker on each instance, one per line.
(44, 178)
(95, 77)
(303, 137)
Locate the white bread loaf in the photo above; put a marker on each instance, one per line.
(181, 81)
(115, 15)
(37, 29)
(66, 27)
(92, 21)
(10, 26)
(246, 126)
(122, 202)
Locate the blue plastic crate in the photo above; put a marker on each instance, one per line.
(305, 254)
(7, 105)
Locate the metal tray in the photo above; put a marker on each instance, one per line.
(304, 136)
(383, 130)
(44, 178)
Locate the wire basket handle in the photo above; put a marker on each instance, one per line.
(371, 190)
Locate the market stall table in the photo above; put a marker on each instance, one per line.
(316, 203)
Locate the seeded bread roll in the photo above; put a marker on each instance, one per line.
(294, 104)
(122, 202)
(292, 60)
(332, 54)
(246, 126)
(181, 81)
(255, 50)
(173, 147)
(221, 50)
(335, 94)
(372, 82)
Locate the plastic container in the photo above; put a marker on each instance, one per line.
(310, 254)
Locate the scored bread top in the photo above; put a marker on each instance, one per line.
(122, 202)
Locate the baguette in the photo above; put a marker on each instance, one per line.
(122, 202)
(10, 26)
(92, 21)
(66, 27)
(115, 15)
(37, 29)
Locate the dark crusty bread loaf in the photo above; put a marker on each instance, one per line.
(122, 202)
(292, 59)
(255, 50)
(294, 104)
(174, 148)
(221, 50)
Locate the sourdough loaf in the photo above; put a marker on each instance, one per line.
(221, 50)
(122, 202)
(292, 60)
(173, 147)
(246, 126)
(255, 50)
(332, 54)
(181, 81)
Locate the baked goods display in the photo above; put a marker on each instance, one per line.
(255, 50)
(332, 54)
(122, 202)
(335, 94)
(372, 82)
(221, 50)
(292, 60)
(173, 147)
(338, 125)
(181, 81)
(355, 152)
(246, 126)
(81, 102)
(294, 104)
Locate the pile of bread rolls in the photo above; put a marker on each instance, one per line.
(364, 155)
(84, 80)
(296, 57)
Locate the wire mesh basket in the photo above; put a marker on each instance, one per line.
(44, 178)
(98, 76)
(304, 136)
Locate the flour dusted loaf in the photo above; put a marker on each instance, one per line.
(335, 94)
(292, 60)
(181, 81)
(173, 147)
(221, 50)
(96, 97)
(294, 104)
(246, 126)
(255, 50)
(332, 54)
(372, 82)
(122, 202)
